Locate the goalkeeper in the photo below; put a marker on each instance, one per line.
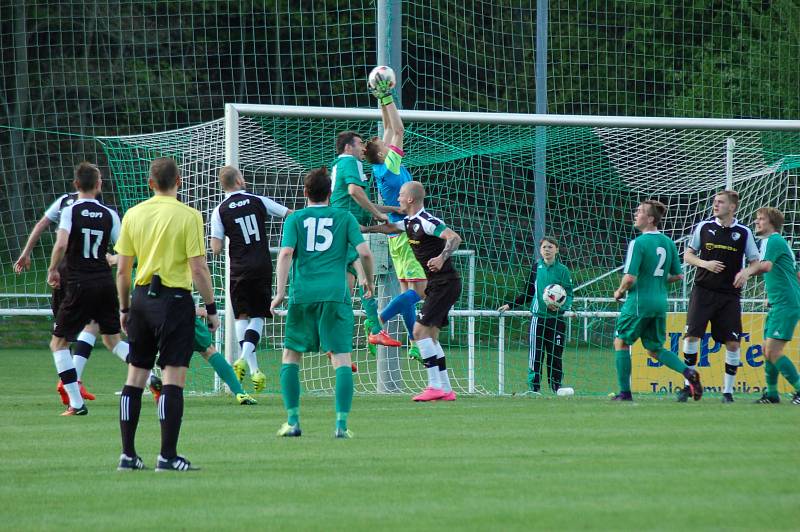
(349, 188)
(386, 156)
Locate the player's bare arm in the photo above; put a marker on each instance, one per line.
(365, 257)
(59, 249)
(386, 229)
(392, 116)
(24, 260)
(674, 278)
(452, 241)
(124, 269)
(216, 245)
(282, 266)
(359, 196)
(690, 257)
(741, 278)
(202, 282)
(627, 282)
(756, 267)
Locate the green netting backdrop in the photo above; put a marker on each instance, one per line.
(80, 78)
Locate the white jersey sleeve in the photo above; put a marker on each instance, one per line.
(274, 208)
(217, 229)
(65, 222)
(53, 212)
(694, 242)
(751, 251)
(116, 225)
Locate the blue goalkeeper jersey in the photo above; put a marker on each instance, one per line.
(390, 176)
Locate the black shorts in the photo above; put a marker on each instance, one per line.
(440, 296)
(86, 301)
(251, 296)
(723, 310)
(164, 325)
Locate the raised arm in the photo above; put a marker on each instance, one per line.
(392, 116)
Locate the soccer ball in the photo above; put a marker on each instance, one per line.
(554, 294)
(380, 73)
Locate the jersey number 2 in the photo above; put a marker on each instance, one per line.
(317, 228)
(662, 258)
(249, 227)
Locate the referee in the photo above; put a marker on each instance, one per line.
(166, 238)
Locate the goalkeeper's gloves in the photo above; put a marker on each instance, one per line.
(383, 92)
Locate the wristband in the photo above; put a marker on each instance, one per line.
(386, 100)
(124, 310)
(211, 309)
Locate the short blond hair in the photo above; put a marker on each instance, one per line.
(774, 216)
(228, 176)
(732, 196)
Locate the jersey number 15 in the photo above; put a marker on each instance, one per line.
(317, 228)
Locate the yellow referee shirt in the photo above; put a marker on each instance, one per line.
(163, 234)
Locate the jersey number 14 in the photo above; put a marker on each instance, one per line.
(249, 227)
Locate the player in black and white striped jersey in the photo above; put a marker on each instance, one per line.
(242, 217)
(85, 231)
(718, 248)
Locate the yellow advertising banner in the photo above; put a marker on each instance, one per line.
(652, 377)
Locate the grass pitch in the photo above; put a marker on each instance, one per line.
(481, 463)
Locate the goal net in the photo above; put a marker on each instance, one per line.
(480, 179)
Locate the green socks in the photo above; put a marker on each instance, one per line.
(225, 372)
(370, 306)
(622, 359)
(771, 376)
(344, 395)
(290, 390)
(788, 371)
(672, 361)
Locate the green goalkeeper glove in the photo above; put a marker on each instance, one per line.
(383, 92)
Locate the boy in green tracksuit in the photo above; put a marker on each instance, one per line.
(651, 264)
(548, 326)
(782, 284)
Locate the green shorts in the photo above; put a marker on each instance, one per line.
(405, 263)
(652, 330)
(780, 323)
(202, 336)
(327, 325)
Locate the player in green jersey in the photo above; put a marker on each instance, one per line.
(350, 191)
(315, 246)
(782, 284)
(650, 265)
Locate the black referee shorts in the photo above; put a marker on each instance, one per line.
(163, 325)
(251, 296)
(440, 296)
(723, 310)
(86, 301)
